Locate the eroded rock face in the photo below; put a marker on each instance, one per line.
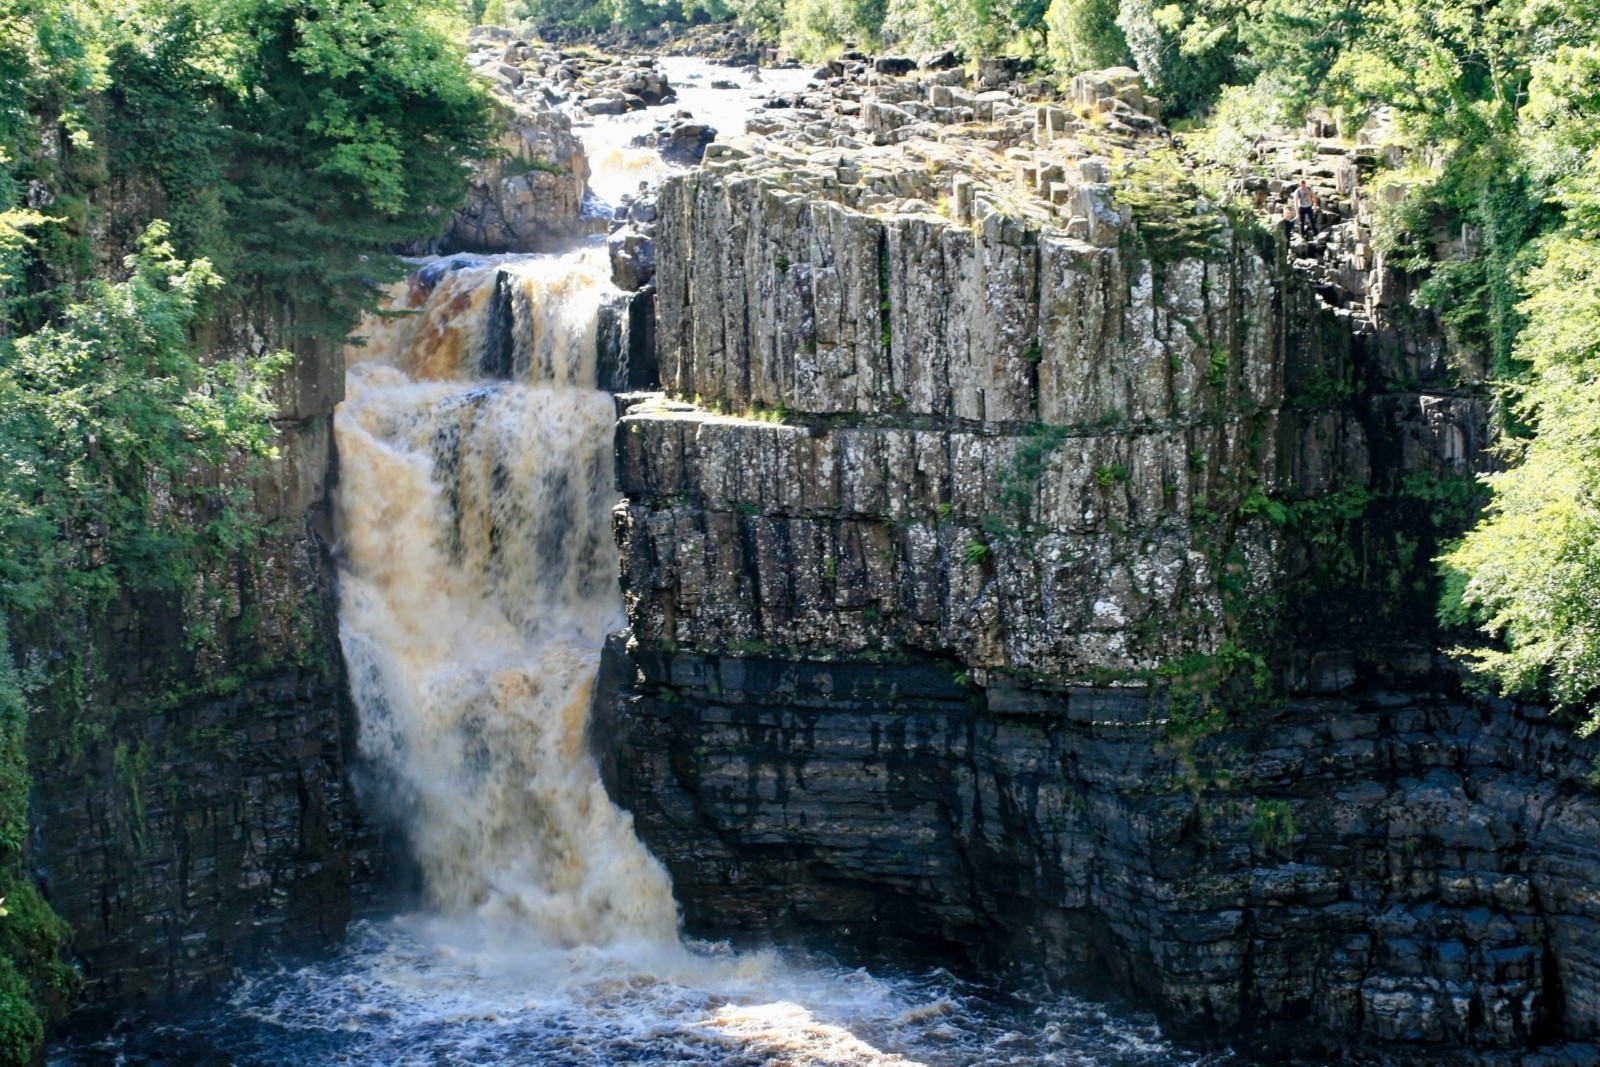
(858, 539)
(531, 199)
(1409, 875)
(196, 808)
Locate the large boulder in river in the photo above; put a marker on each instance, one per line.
(633, 258)
(681, 139)
(530, 199)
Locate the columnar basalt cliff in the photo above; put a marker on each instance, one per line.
(974, 475)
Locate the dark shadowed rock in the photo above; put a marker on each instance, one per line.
(633, 258)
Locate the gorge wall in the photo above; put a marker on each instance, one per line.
(193, 805)
(1009, 571)
(1012, 573)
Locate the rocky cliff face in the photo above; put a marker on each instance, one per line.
(1405, 872)
(1039, 451)
(196, 807)
(531, 196)
(974, 475)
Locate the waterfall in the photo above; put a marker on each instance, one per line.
(477, 584)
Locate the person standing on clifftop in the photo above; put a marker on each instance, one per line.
(1306, 203)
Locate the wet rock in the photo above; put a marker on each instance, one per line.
(633, 259)
(922, 821)
(681, 140)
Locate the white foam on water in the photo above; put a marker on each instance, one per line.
(427, 990)
(617, 165)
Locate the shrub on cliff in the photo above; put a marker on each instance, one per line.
(105, 416)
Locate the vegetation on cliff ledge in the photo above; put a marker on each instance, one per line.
(161, 162)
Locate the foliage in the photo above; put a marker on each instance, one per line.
(975, 27)
(293, 146)
(1019, 480)
(816, 28)
(920, 25)
(1182, 51)
(1084, 35)
(1168, 209)
(107, 419)
(1530, 573)
(1272, 824)
(344, 133)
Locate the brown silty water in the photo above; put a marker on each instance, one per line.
(477, 586)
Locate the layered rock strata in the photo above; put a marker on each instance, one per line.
(193, 803)
(1404, 874)
(969, 484)
(1018, 436)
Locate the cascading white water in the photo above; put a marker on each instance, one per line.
(478, 582)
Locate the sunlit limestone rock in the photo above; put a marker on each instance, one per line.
(531, 198)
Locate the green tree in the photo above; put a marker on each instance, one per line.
(813, 28)
(351, 123)
(1186, 53)
(1084, 35)
(1529, 573)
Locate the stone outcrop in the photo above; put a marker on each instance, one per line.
(971, 484)
(532, 196)
(681, 139)
(593, 83)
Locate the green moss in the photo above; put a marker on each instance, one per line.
(34, 979)
(516, 167)
(1112, 474)
(1272, 824)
